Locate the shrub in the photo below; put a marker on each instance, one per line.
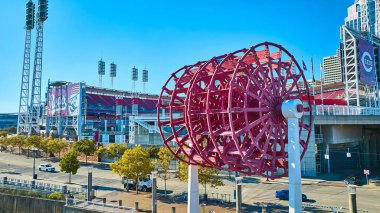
(56, 196)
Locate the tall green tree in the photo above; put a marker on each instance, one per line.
(115, 151)
(134, 164)
(163, 164)
(70, 163)
(18, 141)
(4, 142)
(33, 142)
(85, 146)
(3, 134)
(206, 176)
(43, 145)
(153, 151)
(57, 146)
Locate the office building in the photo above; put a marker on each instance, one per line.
(364, 16)
(332, 69)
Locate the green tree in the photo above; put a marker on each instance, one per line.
(101, 150)
(4, 142)
(70, 163)
(163, 164)
(85, 146)
(153, 151)
(57, 146)
(3, 134)
(43, 145)
(18, 141)
(33, 142)
(11, 130)
(205, 176)
(115, 151)
(134, 164)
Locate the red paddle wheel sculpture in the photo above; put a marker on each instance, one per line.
(225, 113)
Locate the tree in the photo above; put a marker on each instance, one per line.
(57, 146)
(70, 163)
(33, 141)
(18, 141)
(205, 176)
(44, 145)
(3, 134)
(153, 151)
(11, 130)
(115, 151)
(163, 163)
(85, 146)
(4, 142)
(134, 164)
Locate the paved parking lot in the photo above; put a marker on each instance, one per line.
(257, 190)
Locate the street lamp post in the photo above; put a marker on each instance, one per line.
(154, 192)
(34, 163)
(238, 195)
(89, 184)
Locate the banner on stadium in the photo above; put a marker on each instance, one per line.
(367, 62)
(64, 100)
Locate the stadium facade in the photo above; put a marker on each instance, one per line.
(76, 110)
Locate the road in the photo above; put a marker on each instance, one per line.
(258, 190)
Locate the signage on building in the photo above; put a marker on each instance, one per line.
(367, 63)
(64, 100)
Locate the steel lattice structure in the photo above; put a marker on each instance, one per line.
(35, 104)
(225, 113)
(23, 112)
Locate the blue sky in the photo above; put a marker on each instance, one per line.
(159, 35)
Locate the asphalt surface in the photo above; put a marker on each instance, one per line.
(255, 190)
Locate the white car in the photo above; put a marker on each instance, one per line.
(46, 168)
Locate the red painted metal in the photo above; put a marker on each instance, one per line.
(225, 113)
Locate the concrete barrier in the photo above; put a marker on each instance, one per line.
(23, 204)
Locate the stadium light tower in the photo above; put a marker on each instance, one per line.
(23, 112)
(144, 78)
(112, 73)
(101, 71)
(135, 77)
(35, 106)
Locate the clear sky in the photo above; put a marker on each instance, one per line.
(159, 35)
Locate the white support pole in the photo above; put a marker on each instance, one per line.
(293, 110)
(193, 190)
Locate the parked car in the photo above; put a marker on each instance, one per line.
(352, 180)
(46, 168)
(284, 195)
(144, 184)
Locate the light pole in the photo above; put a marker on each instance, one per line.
(89, 184)
(154, 191)
(352, 207)
(238, 195)
(34, 163)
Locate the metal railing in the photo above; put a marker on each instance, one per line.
(326, 110)
(100, 206)
(41, 186)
